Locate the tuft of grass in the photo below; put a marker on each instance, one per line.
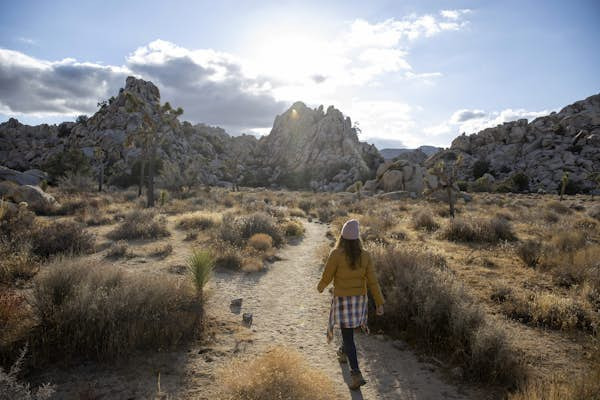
(261, 241)
(568, 241)
(140, 224)
(197, 223)
(238, 230)
(293, 229)
(117, 250)
(16, 261)
(423, 219)
(479, 230)
(558, 387)
(162, 251)
(200, 266)
(558, 207)
(95, 310)
(280, 373)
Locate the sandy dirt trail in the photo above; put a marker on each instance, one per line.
(287, 310)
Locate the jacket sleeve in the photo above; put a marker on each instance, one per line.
(328, 272)
(372, 282)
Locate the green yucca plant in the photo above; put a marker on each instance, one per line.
(200, 264)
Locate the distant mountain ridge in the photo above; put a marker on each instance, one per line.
(389, 154)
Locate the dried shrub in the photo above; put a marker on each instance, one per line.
(594, 212)
(252, 264)
(293, 229)
(162, 251)
(94, 217)
(426, 303)
(586, 387)
(199, 222)
(423, 219)
(261, 241)
(238, 230)
(118, 249)
(297, 212)
(280, 373)
(568, 241)
(530, 251)
(140, 224)
(97, 311)
(558, 207)
(306, 205)
(12, 389)
(479, 230)
(61, 237)
(16, 261)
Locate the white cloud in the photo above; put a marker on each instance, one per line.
(244, 93)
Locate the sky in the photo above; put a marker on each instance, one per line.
(408, 73)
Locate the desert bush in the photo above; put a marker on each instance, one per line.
(530, 251)
(12, 389)
(199, 222)
(325, 214)
(520, 181)
(200, 265)
(568, 241)
(280, 373)
(481, 184)
(479, 230)
(297, 212)
(423, 219)
(558, 207)
(306, 205)
(61, 237)
(97, 311)
(162, 251)
(74, 182)
(480, 168)
(252, 264)
(261, 241)
(140, 224)
(426, 303)
(293, 228)
(71, 206)
(16, 261)
(594, 212)
(94, 217)
(550, 217)
(117, 249)
(238, 230)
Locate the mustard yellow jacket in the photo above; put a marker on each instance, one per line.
(348, 281)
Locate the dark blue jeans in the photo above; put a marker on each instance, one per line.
(350, 348)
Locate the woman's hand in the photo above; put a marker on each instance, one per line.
(379, 310)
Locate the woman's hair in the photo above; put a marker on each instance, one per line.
(352, 249)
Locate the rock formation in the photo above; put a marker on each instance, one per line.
(315, 148)
(567, 141)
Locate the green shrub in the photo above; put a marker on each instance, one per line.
(200, 265)
(520, 182)
(480, 168)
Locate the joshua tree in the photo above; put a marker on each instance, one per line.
(563, 185)
(101, 160)
(446, 172)
(151, 133)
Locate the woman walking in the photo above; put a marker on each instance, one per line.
(352, 272)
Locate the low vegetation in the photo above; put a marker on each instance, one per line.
(99, 311)
(140, 224)
(280, 373)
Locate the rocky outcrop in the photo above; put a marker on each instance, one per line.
(203, 148)
(567, 141)
(37, 200)
(29, 177)
(400, 176)
(417, 155)
(315, 148)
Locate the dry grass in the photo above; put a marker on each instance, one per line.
(61, 237)
(237, 230)
(162, 251)
(94, 310)
(293, 229)
(140, 224)
(261, 242)
(280, 373)
(117, 249)
(557, 387)
(424, 219)
(198, 221)
(425, 303)
(479, 230)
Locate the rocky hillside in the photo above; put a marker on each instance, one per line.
(202, 153)
(567, 141)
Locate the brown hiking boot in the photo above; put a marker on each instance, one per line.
(342, 358)
(357, 380)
